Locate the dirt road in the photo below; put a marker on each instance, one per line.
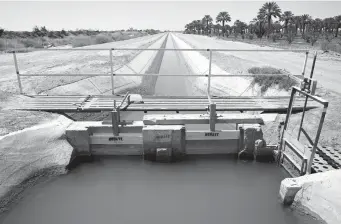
(327, 71)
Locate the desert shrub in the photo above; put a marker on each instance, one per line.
(9, 44)
(33, 43)
(264, 70)
(101, 39)
(267, 81)
(270, 77)
(235, 35)
(328, 36)
(275, 37)
(289, 37)
(2, 45)
(327, 46)
(80, 41)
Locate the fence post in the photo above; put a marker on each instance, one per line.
(209, 74)
(17, 71)
(112, 73)
(305, 62)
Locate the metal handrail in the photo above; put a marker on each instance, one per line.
(112, 73)
(163, 49)
(175, 75)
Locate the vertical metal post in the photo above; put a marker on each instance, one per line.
(209, 75)
(213, 116)
(241, 139)
(17, 71)
(313, 67)
(312, 155)
(302, 118)
(112, 73)
(114, 119)
(313, 88)
(305, 63)
(312, 73)
(293, 91)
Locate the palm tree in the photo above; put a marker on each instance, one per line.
(317, 25)
(269, 10)
(296, 20)
(305, 19)
(197, 25)
(239, 27)
(338, 24)
(223, 17)
(328, 24)
(217, 28)
(207, 19)
(259, 22)
(286, 17)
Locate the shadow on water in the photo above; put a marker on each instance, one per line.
(130, 190)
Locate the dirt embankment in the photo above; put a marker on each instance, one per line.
(29, 155)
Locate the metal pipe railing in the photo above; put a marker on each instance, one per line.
(164, 49)
(174, 75)
(112, 74)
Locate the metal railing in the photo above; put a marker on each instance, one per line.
(112, 72)
(301, 129)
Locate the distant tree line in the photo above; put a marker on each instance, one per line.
(286, 25)
(44, 32)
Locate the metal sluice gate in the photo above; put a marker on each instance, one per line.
(171, 137)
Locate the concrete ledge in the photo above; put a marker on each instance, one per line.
(287, 192)
(78, 136)
(318, 193)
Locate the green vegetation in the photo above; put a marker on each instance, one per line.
(270, 77)
(285, 28)
(41, 37)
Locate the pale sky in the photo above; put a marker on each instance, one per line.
(141, 15)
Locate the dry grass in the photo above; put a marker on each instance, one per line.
(24, 44)
(271, 77)
(329, 46)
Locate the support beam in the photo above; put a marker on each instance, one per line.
(180, 119)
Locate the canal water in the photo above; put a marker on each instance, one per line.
(130, 190)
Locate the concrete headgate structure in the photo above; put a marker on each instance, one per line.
(167, 137)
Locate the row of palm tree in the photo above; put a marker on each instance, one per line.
(264, 23)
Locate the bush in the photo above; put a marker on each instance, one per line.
(235, 35)
(327, 46)
(251, 36)
(290, 37)
(275, 37)
(10, 44)
(34, 43)
(270, 78)
(266, 81)
(328, 36)
(264, 70)
(80, 41)
(101, 39)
